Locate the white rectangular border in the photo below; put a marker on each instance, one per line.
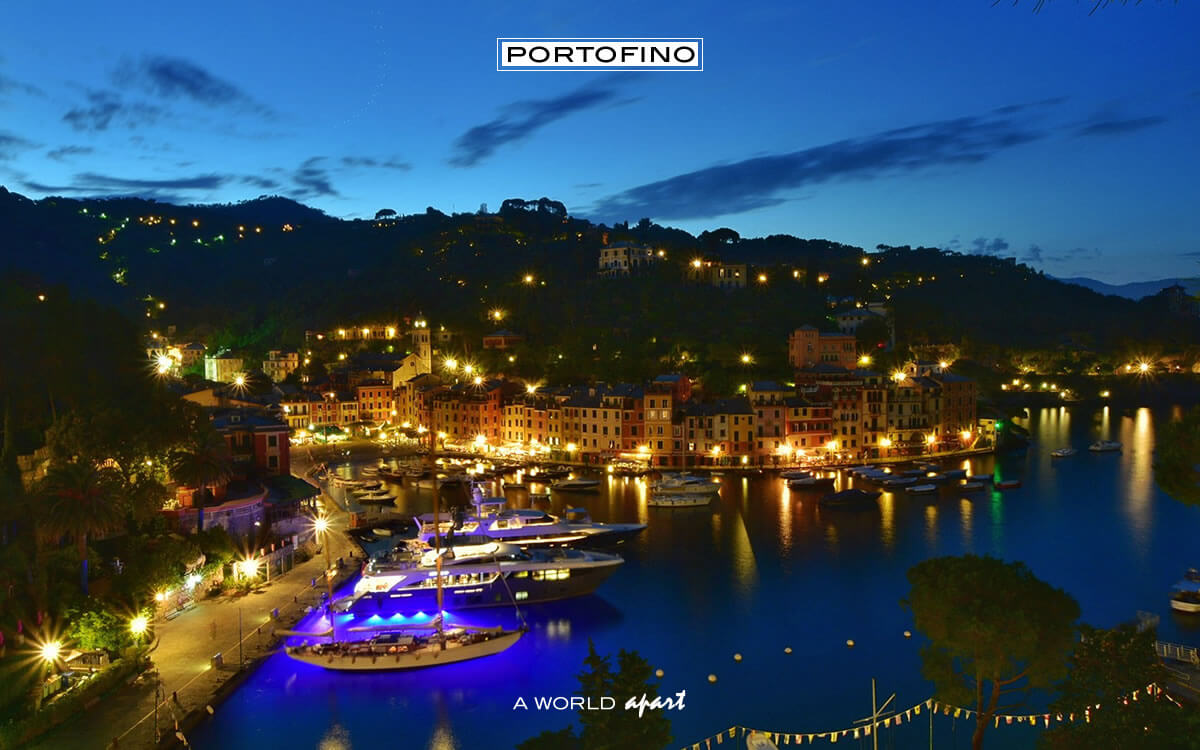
(500, 69)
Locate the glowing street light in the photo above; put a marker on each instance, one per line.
(831, 446)
(762, 278)
(1143, 367)
(528, 278)
(898, 376)
(747, 359)
(864, 359)
(139, 625)
(481, 440)
(531, 388)
(451, 364)
(943, 364)
(696, 263)
(497, 314)
(248, 568)
(50, 651)
(239, 381)
(930, 439)
(478, 380)
(571, 447)
(468, 369)
(885, 442)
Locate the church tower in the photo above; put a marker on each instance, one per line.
(422, 345)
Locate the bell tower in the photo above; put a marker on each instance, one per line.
(422, 345)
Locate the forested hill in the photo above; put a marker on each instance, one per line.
(270, 268)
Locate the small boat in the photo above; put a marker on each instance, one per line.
(1008, 484)
(1185, 595)
(512, 485)
(901, 482)
(376, 498)
(795, 474)
(955, 474)
(694, 500)
(921, 489)
(980, 477)
(454, 480)
(971, 486)
(914, 473)
(1063, 452)
(685, 485)
(850, 499)
(576, 485)
(935, 477)
(1104, 446)
(810, 483)
(364, 488)
(539, 496)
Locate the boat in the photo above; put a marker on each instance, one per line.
(920, 489)
(395, 651)
(533, 496)
(795, 474)
(1008, 484)
(507, 485)
(1104, 446)
(403, 650)
(475, 572)
(900, 482)
(955, 474)
(810, 483)
(685, 485)
(526, 528)
(914, 473)
(850, 499)
(454, 480)
(1185, 595)
(980, 477)
(1063, 452)
(376, 498)
(576, 485)
(971, 486)
(365, 487)
(680, 500)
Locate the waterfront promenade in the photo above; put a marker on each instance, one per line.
(184, 648)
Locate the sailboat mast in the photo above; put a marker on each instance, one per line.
(437, 535)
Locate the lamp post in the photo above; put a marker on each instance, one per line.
(321, 526)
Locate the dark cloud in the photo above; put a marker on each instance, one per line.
(522, 119)
(1032, 255)
(312, 179)
(367, 161)
(761, 181)
(10, 144)
(176, 78)
(63, 152)
(10, 85)
(105, 107)
(1193, 254)
(260, 182)
(1036, 254)
(984, 246)
(1116, 126)
(94, 184)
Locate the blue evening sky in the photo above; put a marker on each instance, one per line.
(1065, 140)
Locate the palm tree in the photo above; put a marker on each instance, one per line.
(201, 462)
(81, 500)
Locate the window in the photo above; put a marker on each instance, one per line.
(273, 462)
(272, 441)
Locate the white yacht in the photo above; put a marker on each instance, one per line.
(1185, 595)
(526, 528)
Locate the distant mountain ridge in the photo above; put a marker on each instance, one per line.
(1134, 290)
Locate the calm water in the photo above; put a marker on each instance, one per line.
(764, 568)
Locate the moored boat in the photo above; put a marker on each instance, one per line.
(971, 486)
(398, 651)
(810, 483)
(921, 489)
(1063, 452)
(1104, 446)
(680, 500)
(1008, 484)
(850, 499)
(900, 482)
(1185, 595)
(576, 485)
(795, 474)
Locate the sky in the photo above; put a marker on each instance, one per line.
(1060, 136)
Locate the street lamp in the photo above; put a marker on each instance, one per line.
(747, 359)
(451, 364)
(50, 651)
(321, 527)
(138, 626)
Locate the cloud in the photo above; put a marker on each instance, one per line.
(105, 107)
(367, 161)
(10, 144)
(765, 181)
(982, 246)
(176, 78)
(102, 185)
(62, 152)
(1032, 255)
(259, 182)
(10, 85)
(1036, 254)
(522, 119)
(312, 180)
(1115, 126)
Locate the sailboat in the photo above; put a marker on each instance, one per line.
(399, 647)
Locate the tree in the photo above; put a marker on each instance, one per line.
(995, 630)
(873, 333)
(81, 501)
(203, 461)
(1108, 666)
(385, 213)
(616, 729)
(1177, 458)
(94, 628)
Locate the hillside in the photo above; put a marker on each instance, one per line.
(255, 275)
(1134, 290)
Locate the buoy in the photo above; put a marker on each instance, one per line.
(658, 673)
(209, 709)
(787, 649)
(712, 678)
(850, 643)
(737, 657)
(907, 634)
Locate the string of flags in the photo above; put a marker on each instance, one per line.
(907, 716)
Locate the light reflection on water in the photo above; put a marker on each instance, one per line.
(762, 568)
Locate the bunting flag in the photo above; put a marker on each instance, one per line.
(856, 734)
(997, 722)
(957, 711)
